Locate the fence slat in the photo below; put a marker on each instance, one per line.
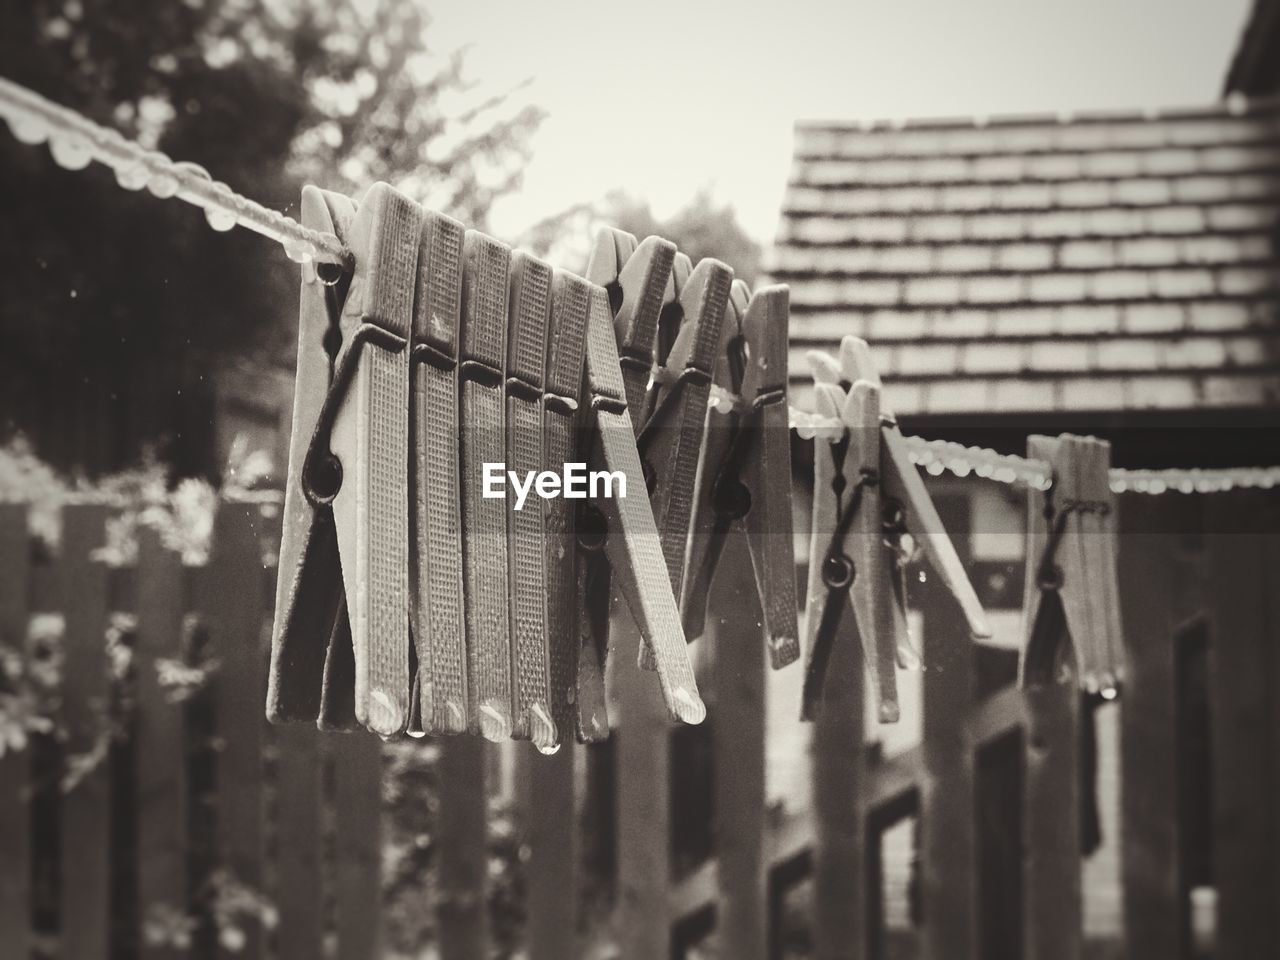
(1157, 916)
(15, 766)
(231, 607)
(159, 748)
(463, 909)
(357, 767)
(738, 731)
(1242, 651)
(86, 809)
(1052, 850)
(299, 889)
(643, 738)
(554, 828)
(841, 929)
(948, 820)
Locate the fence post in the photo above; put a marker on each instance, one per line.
(231, 607)
(357, 769)
(948, 821)
(1244, 686)
(1052, 851)
(554, 852)
(841, 928)
(299, 890)
(1152, 584)
(463, 909)
(15, 765)
(643, 737)
(86, 704)
(738, 731)
(159, 745)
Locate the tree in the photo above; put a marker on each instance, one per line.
(700, 229)
(120, 307)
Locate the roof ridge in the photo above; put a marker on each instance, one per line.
(1234, 105)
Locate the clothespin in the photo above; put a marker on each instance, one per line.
(621, 531)
(356, 467)
(637, 278)
(745, 477)
(436, 558)
(486, 265)
(671, 439)
(570, 302)
(868, 471)
(310, 601)
(526, 531)
(1072, 591)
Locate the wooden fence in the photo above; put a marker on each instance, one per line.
(661, 842)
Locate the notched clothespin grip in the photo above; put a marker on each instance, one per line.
(906, 518)
(530, 307)
(436, 558)
(745, 475)
(570, 302)
(1071, 600)
(486, 265)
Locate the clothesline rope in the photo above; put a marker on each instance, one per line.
(75, 142)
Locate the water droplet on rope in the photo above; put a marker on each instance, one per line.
(416, 734)
(220, 220)
(298, 251)
(495, 721)
(163, 185)
(70, 152)
(29, 130)
(132, 177)
(923, 576)
(543, 730)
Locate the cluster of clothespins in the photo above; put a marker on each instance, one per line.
(409, 601)
(872, 515)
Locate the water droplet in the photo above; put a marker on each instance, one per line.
(132, 177)
(495, 721)
(70, 152)
(689, 707)
(922, 576)
(543, 730)
(163, 185)
(416, 734)
(29, 130)
(220, 220)
(457, 716)
(1091, 684)
(298, 252)
(1109, 693)
(935, 468)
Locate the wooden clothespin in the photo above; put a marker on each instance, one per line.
(436, 557)
(357, 466)
(868, 471)
(745, 475)
(530, 309)
(485, 272)
(310, 602)
(621, 531)
(570, 302)
(1072, 593)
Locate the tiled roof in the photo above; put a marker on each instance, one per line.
(1028, 264)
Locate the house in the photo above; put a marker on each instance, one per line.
(1111, 274)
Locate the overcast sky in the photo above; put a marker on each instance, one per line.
(662, 97)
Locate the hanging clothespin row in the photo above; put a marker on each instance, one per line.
(1072, 597)
(485, 271)
(440, 681)
(356, 468)
(871, 514)
(745, 476)
(619, 544)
